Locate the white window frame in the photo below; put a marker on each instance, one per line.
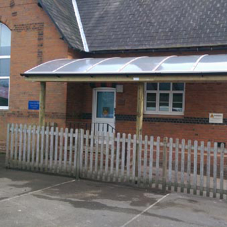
(5, 78)
(157, 92)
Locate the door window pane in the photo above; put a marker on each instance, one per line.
(164, 86)
(4, 93)
(164, 102)
(151, 101)
(105, 104)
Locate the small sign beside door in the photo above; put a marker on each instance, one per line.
(33, 105)
(216, 118)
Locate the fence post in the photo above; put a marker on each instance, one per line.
(164, 165)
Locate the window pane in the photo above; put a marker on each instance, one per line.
(178, 86)
(152, 86)
(4, 92)
(177, 103)
(164, 102)
(151, 106)
(151, 97)
(5, 37)
(177, 98)
(5, 67)
(151, 102)
(177, 107)
(164, 86)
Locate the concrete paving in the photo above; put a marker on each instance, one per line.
(32, 199)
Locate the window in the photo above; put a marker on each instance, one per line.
(164, 98)
(5, 49)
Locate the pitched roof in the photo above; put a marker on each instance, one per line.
(62, 14)
(141, 24)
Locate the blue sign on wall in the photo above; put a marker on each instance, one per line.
(33, 105)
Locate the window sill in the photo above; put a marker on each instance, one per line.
(4, 108)
(159, 114)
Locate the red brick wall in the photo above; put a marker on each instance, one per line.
(200, 100)
(34, 40)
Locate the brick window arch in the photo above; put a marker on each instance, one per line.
(5, 52)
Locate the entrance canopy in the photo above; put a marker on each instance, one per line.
(143, 69)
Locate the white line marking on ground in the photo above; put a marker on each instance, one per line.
(37, 191)
(138, 215)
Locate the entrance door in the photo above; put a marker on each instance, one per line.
(103, 116)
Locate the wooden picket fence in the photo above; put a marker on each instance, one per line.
(166, 164)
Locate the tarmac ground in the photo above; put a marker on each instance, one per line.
(33, 199)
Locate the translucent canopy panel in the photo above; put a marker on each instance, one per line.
(50, 67)
(79, 65)
(110, 65)
(176, 63)
(141, 65)
(212, 63)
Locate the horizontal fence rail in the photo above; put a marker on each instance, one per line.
(176, 165)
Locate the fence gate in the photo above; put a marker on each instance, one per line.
(176, 165)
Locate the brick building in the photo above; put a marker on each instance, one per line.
(176, 103)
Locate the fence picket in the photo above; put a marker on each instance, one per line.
(215, 170)
(112, 157)
(81, 150)
(60, 150)
(91, 153)
(201, 168)
(182, 164)
(12, 145)
(33, 148)
(47, 148)
(42, 147)
(7, 145)
(145, 161)
(96, 153)
(222, 171)
(134, 159)
(107, 156)
(123, 158)
(70, 151)
(195, 168)
(128, 157)
(65, 150)
(38, 148)
(170, 162)
(157, 163)
(56, 150)
(140, 159)
(101, 158)
(16, 146)
(86, 152)
(117, 156)
(76, 165)
(189, 167)
(51, 147)
(151, 160)
(176, 165)
(208, 170)
(24, 146)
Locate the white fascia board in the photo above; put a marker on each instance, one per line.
(78, 18)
